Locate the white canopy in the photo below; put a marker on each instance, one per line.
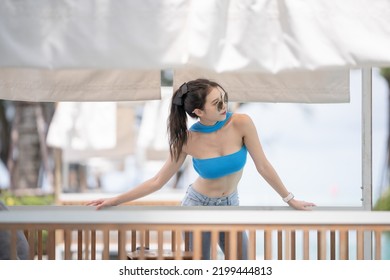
(53, 50)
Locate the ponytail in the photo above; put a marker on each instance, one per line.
(177, 130)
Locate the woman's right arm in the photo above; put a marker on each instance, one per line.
(149, 186)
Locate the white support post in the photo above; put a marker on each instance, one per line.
(367, 138)
(367, 153)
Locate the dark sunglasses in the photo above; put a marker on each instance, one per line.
(224, 100)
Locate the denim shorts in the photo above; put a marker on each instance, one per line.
(194, 198)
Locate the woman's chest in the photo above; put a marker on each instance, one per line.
(207, 145)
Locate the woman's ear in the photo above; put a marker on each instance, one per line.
(198, 112)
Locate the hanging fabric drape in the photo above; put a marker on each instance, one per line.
(303, 87)
(114, 50)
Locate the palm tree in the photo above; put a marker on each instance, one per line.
(5, 131)
(25, 151)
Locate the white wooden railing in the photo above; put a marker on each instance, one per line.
(81, 232)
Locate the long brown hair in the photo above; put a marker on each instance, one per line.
(188, 97)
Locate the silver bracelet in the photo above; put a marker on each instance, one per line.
(288, 198)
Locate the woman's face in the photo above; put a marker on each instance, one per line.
(215, 107)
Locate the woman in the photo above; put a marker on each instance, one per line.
(218, 144)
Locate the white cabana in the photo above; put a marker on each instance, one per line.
(262, 50)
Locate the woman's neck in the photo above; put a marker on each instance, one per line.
(201, 125)
(207, 122)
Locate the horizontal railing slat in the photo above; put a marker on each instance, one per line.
(188, 215)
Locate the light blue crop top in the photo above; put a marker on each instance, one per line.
(216, 167)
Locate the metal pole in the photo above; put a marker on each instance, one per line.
(367, 153)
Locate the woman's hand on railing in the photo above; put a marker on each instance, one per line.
(102, 202)
(300, 204)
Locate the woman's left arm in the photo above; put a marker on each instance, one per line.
(263, 166)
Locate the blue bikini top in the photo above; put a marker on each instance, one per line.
(216, 167)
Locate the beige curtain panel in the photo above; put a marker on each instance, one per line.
(303, 87)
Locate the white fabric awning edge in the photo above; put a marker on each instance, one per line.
(79, 85)
(303, 87)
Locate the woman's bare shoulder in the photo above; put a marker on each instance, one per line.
(243, 123)
(241, 119)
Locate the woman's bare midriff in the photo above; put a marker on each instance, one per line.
(218, 187)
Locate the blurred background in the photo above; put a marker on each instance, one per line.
(70, 152)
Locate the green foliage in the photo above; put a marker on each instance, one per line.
(385, 72)
(383, 203)
(11, 200)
